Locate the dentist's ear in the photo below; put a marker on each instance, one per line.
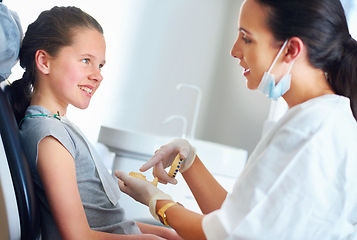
(295, 48)
(42, 61)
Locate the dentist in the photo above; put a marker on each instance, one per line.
(300, 181)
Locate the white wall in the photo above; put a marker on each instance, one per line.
(187, 41)
(152, 45)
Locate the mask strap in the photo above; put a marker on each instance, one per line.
(291, 66)
(277, 56)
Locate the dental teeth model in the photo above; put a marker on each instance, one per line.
(172, 173)
(141, 176)
(175, 167)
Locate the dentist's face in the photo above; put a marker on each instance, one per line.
(255, 47)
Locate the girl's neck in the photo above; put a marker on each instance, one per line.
(48, 103)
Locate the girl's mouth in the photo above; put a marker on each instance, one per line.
(86, 89)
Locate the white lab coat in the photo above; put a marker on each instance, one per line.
(300, 183)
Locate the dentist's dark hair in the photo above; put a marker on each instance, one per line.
(322, 26)
(51, 31)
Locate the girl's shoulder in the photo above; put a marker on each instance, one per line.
(40, 123)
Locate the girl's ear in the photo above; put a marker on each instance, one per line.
(42, 61)
(294, 49)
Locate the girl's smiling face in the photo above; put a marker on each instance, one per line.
(255, 47)
(74, 74)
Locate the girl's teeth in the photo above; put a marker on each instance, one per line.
(88, 90)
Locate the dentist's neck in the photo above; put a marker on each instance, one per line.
(306, 83)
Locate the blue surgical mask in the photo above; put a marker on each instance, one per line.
(268, 85)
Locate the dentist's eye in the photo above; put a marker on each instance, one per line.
(246, 40)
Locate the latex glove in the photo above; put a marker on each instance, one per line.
(164, 157)
(141, 190)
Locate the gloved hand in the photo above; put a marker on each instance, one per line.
(165, 156)
(141, 190)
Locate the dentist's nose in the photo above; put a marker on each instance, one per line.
(236, 51)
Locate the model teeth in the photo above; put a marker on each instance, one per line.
(87, 89)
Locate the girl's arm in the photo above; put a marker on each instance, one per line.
(56, 168)
(164, 232)
(208, 193)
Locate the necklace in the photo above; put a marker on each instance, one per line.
(57, 116)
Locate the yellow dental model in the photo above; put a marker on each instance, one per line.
(141, 176)
(175, 166)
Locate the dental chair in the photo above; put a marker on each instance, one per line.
(19, 209)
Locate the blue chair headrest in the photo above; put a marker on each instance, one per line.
(10, 40)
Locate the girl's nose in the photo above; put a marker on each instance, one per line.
(96, 75)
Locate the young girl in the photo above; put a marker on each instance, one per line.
(300, 181)
(62, 53)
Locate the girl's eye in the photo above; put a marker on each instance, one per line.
(86, 60)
